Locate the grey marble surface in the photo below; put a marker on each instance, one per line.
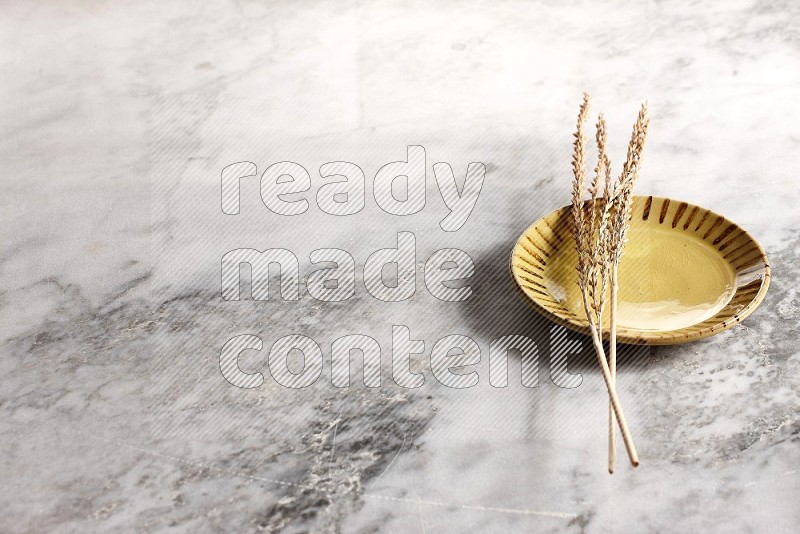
(117, 121)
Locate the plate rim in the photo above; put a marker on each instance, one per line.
(648, 337)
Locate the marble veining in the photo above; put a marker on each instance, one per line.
(117, 121)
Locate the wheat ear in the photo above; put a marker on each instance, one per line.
(601, 224)
(579, 229)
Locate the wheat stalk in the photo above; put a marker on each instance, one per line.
(594, 251)
(616, 241)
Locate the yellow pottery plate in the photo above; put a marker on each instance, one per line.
(686, 273)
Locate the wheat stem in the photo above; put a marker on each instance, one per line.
(612, 367)
(612, 392)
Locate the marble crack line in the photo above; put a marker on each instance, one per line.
(419, 514)
(333, 441)
(417, 501)
(478, 508)
(395, 457)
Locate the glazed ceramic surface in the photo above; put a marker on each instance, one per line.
(686, 273)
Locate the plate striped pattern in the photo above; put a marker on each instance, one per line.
(531, 259)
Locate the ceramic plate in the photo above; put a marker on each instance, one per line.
(686, 273)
